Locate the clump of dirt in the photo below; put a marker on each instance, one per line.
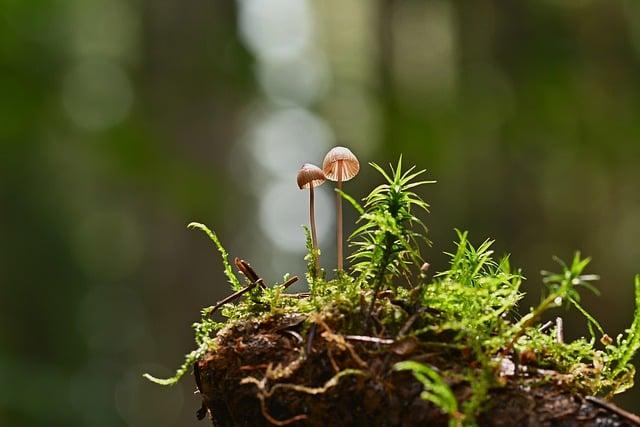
(305, 370)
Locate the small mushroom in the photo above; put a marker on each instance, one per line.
(311, 176)
(340, 165)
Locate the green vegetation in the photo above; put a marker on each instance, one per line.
(469, 309)
(436, 390)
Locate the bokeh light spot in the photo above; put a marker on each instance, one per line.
(284, 209)
(97, 95)
(276, 28)
(300, 80)
(107, 28)
(283, 140)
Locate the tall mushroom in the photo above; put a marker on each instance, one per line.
(340, 165)
(311, 176)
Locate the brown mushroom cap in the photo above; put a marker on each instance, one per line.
(310, 174)
(350, 164)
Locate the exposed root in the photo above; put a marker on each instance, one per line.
(265, 393)
(339, 341)
(274, 421)
(268, 392)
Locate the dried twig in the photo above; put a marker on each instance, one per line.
(364, 338)
(290, 282)
(559, 330)
(248, 272)
(410, 321)
(546, 326)
(300, 295)
(234, 296)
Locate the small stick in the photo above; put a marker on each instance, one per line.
(364, 338)
(300, 295)
(408, 324)
(408, 279)
(545, 326)
(246, 269)
(234, 296)
(290, 282)
(559, 330)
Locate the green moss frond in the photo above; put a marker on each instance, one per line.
(386, 243)
(620, 356)
(189, 360)
(435, 388)
(228, 271)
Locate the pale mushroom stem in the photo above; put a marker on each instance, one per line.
(312, 220)
(339, 202)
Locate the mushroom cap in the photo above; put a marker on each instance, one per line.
(310, 175)
(350, 164)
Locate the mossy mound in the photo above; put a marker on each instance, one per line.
(301, 371)
(386, 343)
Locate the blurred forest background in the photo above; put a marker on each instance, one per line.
(122, 121)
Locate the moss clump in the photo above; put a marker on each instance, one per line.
(385, 314)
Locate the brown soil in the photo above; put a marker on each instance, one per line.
(281, 371)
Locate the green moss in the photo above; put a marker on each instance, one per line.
(470, 308)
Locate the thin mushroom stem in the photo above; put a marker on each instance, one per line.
(312, 220)
(339, 219)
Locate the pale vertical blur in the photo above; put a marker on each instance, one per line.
(284, 129)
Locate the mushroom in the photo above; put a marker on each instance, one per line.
(340, 165)
(311, 176)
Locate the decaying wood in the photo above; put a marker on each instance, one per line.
(285, 371)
